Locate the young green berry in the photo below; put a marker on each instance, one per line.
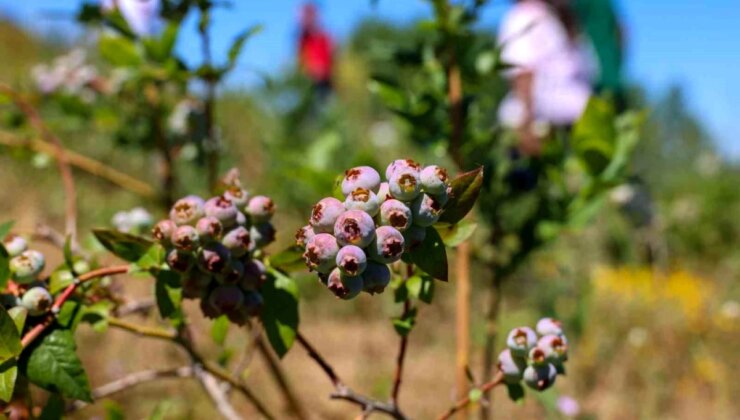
(209, 229)
(344, 287)
(226, 298)
(511, 367)
(414, 236)
(213, 257)
(401, 164)
(434, 179)
(549, 326)
(303, 235)
(255, 274)
(364, 200)
(185, 238)
(376, 277)
(194, 283)
(37, 300)
(388, 245)
(179, 261)
(521, 340)
(260, 209)
(384, 192)
(15, 245)
(354, 227)
(238, 196)
(540, 377)
(555, 348)
(396, 214)
(25, 267)
(404, 184)
(351, 260)
(187, 210)
(425, 210)
(237, 241)
(163, 230)
(325, 214)
(262, 234)
(360, 177)
(81, 266)
(321, 253)
(222, 209)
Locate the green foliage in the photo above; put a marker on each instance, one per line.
(168, 292)
(128, 247)
(465, 190)
(405, 323)
(280, 312)
(53, 365)
(10, 349)
(430, 255)
(220, 329)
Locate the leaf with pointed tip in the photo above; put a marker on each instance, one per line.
(53, 365)
(220, 329)
(168, 291)
(236, 47)
(454, 235)
(430, 256)
(8, 375)
(10, 340)
(289, 259)
(126, 246)
(465, 190)
(280, 311)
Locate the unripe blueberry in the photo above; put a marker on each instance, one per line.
(555, 348)
(547, 326)
(362, 199)
(81, 266)
(303, 235)
(344, 287)
(404, 184)
(395, 213)
(241, 219)
(360, 177)
(384, 192)
(521, 340)
(209, 229)
(222, 209)
(376, 277)
(187, 210)
(540, 377)
(414, 236)
(262, 234)
(179, 261)
(255, 274)
(354, 227)
(434, 179)
(37, 300)
(238, 196)
(237, 241)
(214, 257)
(185, 238)
(163, 230)
(194, 284)
(226, 298)
(425, 210)
(351, 260)
(25, 267)
(15, 245)
(537, 356)
(401, 164)
(388, 245)
(321, 253)
(325, 214)
(512, 367)
(260, 209)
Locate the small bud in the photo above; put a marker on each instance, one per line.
(81, 266)
(37, 300)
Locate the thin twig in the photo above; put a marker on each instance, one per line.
(216, 393)
(401, 356)
(135, 307)
(295, 405)
(463, 403)
(142, 330)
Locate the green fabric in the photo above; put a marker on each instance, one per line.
(599, 22)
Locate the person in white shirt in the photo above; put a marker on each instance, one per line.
(142, 16)
(550, 77)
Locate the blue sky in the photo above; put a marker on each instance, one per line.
(694, 43)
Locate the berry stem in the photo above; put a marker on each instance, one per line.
(463, 403)
(401, 356)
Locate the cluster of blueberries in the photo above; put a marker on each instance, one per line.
(536, 360)
(350, 244)
(29, 290)
(213, 244)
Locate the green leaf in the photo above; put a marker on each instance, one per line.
(594, 135)
(97, 315)
(465, 190)
(128, 247)
(168, 291)
(404, 324)
(53, 365)
(160, 410)
(153, 258)
(280, 311)
(54, 408)
(4, 267)
(5, 229)
(420, 286)
(236, 47)
(220, 329)
(8, 376)
(10, 339)
(119, 51)
(60, 279)
(516, 391)
(430, 255)
(289, 259)
(454, 235)
(113, 411)
(70, 314)
(160, 48)
(19, 314)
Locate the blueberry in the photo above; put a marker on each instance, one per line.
(237, 241)
(37, 300)
(521, 340)
(179, 261)
(360, 177)
(401, 164)
(362, 199)
(15, 245)
(376, 277)
(241, 219)
(226, 298)
(253, 303)
(388, 245)
(555, 348)
(260, 209)
(540, 377)
(187, 210)
(209, 229)
(325, 214)
(303, 235)
(395, 213)
(185, 238)
(344, 287)
(194, 283)
(163, 230)
(262, 234)
(222, 209)
(537, 356)
(511, 367)
(213, 257)
(351, 260)
(321, 253)
(25, 267)
(547, 326)
(434, 179)
(255, 274)
(384, 193)
(425, 210)
(238, 196)
(404, 184)
(354, 227)
(414, 236)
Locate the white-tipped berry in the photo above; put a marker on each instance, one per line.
(396, 214)
(238, 196)
(540, 377)
(401, 164)
(521, 340)
(260, 209)
(37, 300)
(404, 184)
(209, 229)
(425, 210)
(321, 253)
(547, 326)
(360, 177)
(303, 235)
(351, 260)
(362, 199)
(237, 241)
(325, 214)
(185, 238)
(344, 287)
(15, 245)
(388, 245)
(187, 210)
(434, 179)
(354, 227)
(222, 209)
(26, 267)
(511, 367)
(163, 230)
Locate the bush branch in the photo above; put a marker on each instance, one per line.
(463, 403)
(401, 356)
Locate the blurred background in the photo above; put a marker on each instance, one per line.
(647, 288)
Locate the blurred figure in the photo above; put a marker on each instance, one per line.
(141, 15)
(315, 50)
(550, 79)
(600, 24)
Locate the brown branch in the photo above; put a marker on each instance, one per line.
(489, 353)
(401, 355)
(295, 405)
(463, 403)
(142, 330)
(216, 393)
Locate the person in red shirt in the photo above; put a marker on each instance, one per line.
(315, 54)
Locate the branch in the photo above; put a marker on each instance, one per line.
(141, 330)
(463, 403)
(138, 306)
(39, 328)
(273, 364)
(401, 354)
(218, 396)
